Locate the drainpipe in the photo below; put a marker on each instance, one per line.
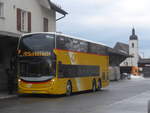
(61, 17)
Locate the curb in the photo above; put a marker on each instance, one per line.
(8, 97)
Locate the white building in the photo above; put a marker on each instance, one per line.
(23, 16)
(133, 51)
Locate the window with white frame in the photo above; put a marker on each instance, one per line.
(24, 21)
(1, 9)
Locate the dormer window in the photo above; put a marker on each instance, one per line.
(1, 9)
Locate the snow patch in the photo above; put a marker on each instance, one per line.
(137, 77)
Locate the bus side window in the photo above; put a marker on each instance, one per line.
(60, 42)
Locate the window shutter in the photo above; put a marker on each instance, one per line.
(29, 21)
(18, 19)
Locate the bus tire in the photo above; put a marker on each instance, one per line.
(68, 88)
(94, 85)
(99, 85)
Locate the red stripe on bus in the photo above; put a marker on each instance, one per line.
(35, 82)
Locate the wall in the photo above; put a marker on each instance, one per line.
(9, 22)
(134, 52)
(132, 61)
(10, 45)
(114, 73)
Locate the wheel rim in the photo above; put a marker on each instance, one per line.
(68, 89)
(94, 87)
(99, 85)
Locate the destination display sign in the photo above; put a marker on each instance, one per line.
(37, 53)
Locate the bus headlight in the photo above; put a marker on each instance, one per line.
(19, 80)
(53, 80)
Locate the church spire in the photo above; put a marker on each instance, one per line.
(133, 31)
(133, 36)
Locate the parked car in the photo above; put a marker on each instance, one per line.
(125, 76)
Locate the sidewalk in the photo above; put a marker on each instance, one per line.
(5, 95)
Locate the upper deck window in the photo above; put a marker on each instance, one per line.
(37, 42)
(72, 44)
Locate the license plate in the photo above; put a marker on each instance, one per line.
(34, 91)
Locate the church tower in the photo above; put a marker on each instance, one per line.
(133, 49)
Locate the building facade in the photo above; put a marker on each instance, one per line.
(132, 61)
(22, 16)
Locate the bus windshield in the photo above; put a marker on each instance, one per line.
(36, 58)
(37, 42)
(36, 67)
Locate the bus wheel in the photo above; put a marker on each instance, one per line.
(94, 86)
(68, 88)
(99, 85)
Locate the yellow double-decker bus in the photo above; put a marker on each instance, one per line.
(54, 63)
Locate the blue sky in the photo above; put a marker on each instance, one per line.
(107, 21)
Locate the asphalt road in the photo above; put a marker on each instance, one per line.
(127, 96)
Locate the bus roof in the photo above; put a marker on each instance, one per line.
(61, 34)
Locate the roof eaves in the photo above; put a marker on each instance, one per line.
(116, 52)
(57, 8)
(9, 34)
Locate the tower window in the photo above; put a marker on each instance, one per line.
(132, 45)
